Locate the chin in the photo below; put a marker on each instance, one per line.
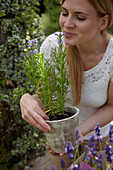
(70, 42)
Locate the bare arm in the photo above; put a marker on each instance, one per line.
(103, 116)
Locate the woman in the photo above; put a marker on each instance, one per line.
(90, 59)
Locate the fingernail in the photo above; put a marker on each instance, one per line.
(48, 128)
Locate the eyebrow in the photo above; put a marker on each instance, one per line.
(76, 12)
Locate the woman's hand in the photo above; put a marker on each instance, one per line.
(55, 154)
(32, 112)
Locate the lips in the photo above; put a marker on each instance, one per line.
(69, 34)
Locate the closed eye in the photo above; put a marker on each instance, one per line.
(81, 19)
(63, 14)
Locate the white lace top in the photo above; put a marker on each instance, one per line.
(96, 80)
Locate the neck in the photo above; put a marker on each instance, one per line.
(94, 47)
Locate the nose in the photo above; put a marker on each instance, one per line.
(69, 23)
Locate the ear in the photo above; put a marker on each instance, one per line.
(104, 23)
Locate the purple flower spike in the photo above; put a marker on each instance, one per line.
(74, 167)
(95, 160)
(100, 139)
(53, 167)
(100, 160)
(94, 150)
(111, 133)
(76, 134)
(97, 129)
(69, 147)
(86, 150)
(71, 155)
(109, 153)
(63, 164)
(92, 141)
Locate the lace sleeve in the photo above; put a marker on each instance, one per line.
(49, 43)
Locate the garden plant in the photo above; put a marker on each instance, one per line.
(19, 142)
(49, 75)
(90, 159)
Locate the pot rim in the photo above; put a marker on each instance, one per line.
(77, 109)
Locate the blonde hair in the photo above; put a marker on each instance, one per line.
(76, 69)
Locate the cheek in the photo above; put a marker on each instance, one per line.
(61, 21)
(87, 28)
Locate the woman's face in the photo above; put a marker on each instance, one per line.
(79, 21)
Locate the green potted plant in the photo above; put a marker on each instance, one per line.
(51, 82)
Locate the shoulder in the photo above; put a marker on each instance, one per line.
(49, 43)
(109, 51)
(110, 58)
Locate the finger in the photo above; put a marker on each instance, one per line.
(41, 121)
(55, 154)
(39, 111)
(33, 122)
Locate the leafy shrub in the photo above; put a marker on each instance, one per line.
(19, 142)
(50, 19)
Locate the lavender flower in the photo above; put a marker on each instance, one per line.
(95, 160)
(53, 167)
(99, 162)
(109, 153)
(76, 134)
(69, 149)
(71, 155)
(74, 167)
(98, 134)
(111, 133)
(86, 150)
(94, 152)
(63, 164)
(97, 129)
(92, 141)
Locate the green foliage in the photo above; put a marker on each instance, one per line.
(49, 76)
(50, 19)
(110, 30)
(18, 22)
